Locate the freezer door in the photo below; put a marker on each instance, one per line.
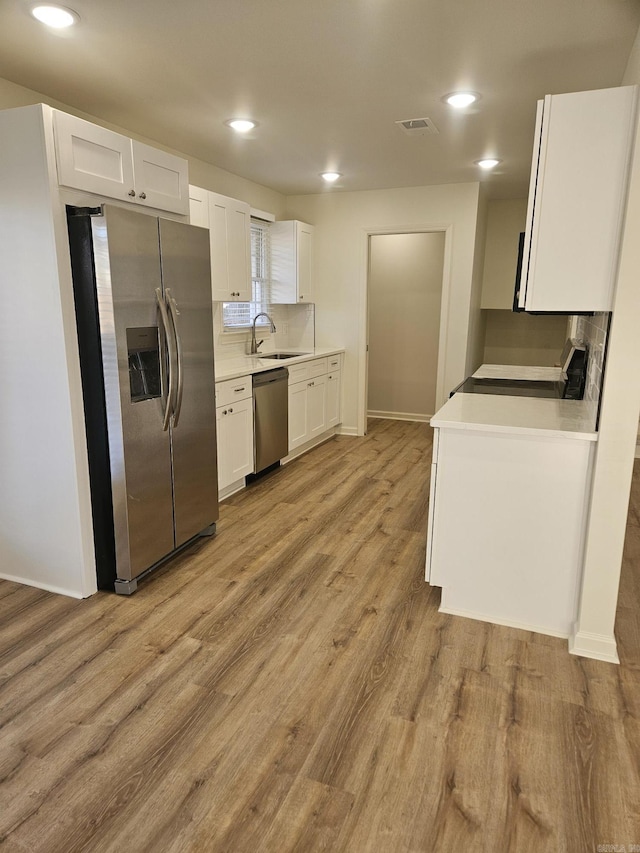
(186, 275)
(127, 263)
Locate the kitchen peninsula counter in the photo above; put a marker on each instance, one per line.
(510, 483)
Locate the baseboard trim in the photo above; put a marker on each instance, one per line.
(507, 623)
(304, 448)
(232, 489)
(46, 586)
(596, 646)
(399, 416)
(347, 431)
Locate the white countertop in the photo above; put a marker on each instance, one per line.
(517, 371)
(523, 415)
(231, 368)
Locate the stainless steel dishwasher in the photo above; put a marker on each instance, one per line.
(271, 417)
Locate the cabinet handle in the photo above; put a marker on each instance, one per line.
(238, 390)
(143, 195)
(301, 297)
(132, 193)
(230, 411)
(310, 384)
(224, 411)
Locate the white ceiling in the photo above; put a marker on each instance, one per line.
(326, 80)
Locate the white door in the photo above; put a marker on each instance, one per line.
(404, 293)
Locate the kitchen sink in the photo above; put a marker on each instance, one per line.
(281, 355)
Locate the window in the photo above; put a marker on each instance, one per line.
(239, 315)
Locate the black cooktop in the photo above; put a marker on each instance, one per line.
(512, 387)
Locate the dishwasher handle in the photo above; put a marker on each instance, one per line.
(280, 374)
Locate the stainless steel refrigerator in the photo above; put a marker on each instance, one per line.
(142, 291)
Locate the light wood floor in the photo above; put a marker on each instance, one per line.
(290, 686)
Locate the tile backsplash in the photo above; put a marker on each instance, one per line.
(295, 329)
(593, 331)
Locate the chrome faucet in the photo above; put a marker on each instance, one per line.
(254, 345)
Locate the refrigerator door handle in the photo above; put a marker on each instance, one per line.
(173, 310)
(171, 348)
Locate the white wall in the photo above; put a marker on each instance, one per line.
(620, 410)
(405, 290)
(343, 221)
(505, 220)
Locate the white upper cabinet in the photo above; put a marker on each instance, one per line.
(198, 206)
(230, 236)
(100, 161)
(577, 198)
(161, 179)
(292, 262)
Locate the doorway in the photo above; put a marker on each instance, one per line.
(405, 277)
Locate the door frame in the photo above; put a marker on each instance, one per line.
(363, 319)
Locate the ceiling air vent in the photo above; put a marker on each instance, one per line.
(417, 126)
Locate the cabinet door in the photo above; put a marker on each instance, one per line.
(161, 179)
(333, 398)
(291, 262)
(304, 234)
(230, 234)
(298, 419)
(576, 200)
(199, 206)
(235, 442)
(316, 406)
(93, 159)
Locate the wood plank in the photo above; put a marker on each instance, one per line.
(290, 685)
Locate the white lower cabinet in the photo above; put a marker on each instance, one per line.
(506, 526)
(334, 394)
(314, 399)
(307, 410)
(234, 421)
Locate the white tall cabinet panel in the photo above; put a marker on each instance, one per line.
(577, 196)
(292, 262)
(46, 535)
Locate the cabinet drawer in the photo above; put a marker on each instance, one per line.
(307, 370)
(233, 390)
(334, 362)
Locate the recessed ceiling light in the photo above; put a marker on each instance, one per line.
(488, 163)
(330, 177)
(241, 125)
(459, 100)
(57, 17)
